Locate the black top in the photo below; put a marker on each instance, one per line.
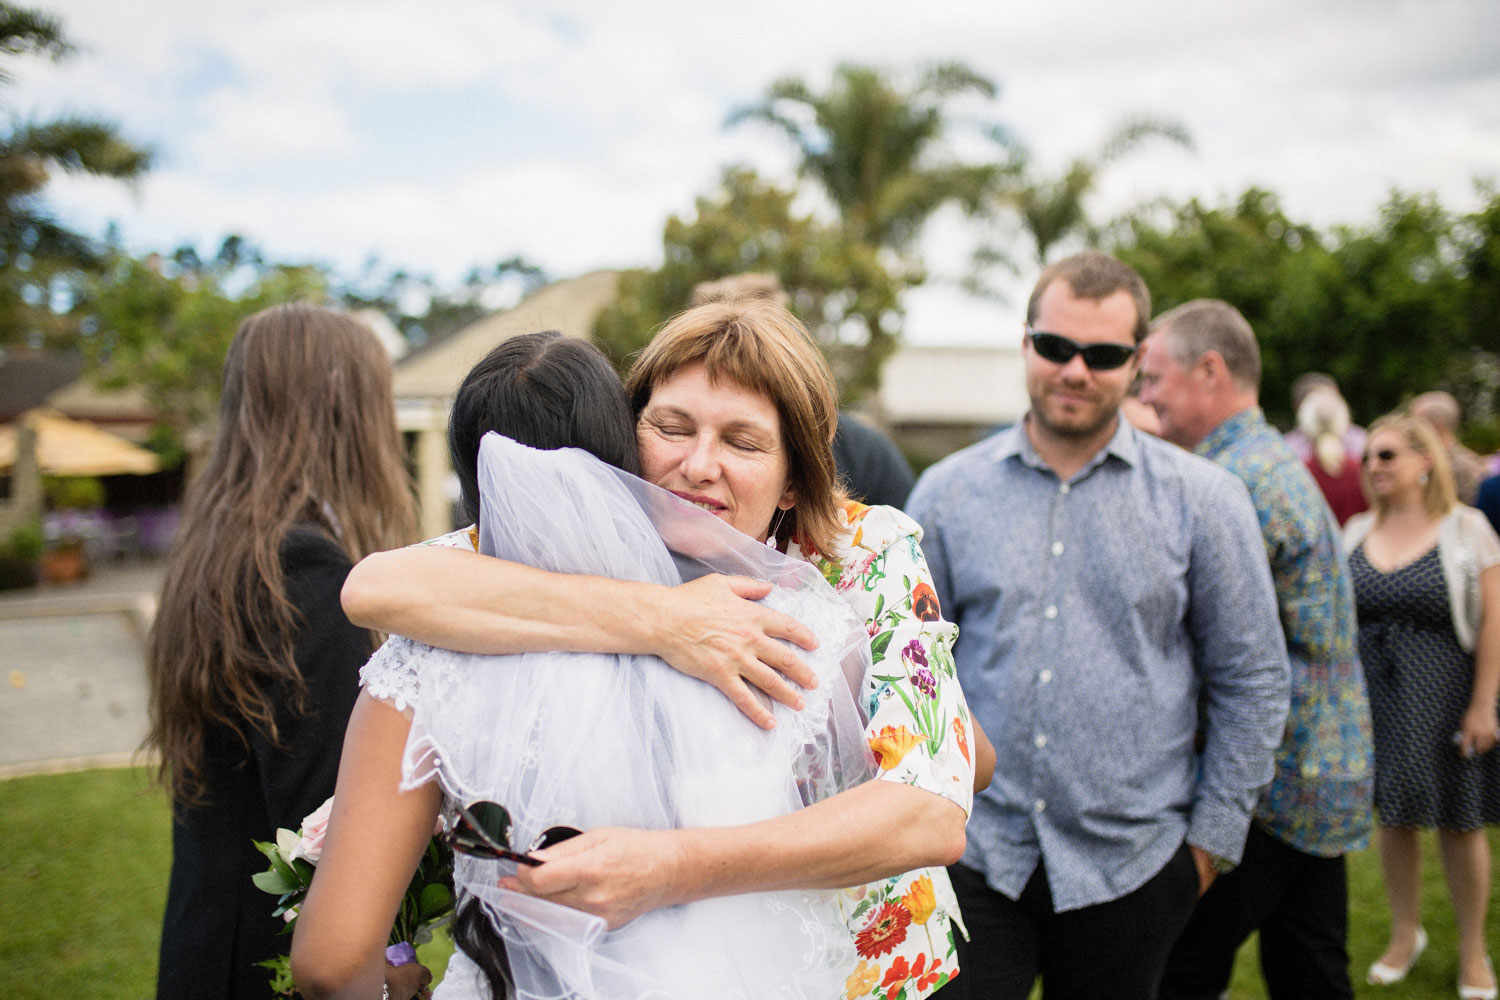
(217, 923)
(870, 465)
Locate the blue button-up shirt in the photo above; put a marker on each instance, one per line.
(1091, 613)
(1320, 799)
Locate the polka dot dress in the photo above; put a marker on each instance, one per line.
(1419, 680)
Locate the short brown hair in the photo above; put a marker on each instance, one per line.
(1439, 496)
(1202, 325)
(1095, 275)
(760, 346)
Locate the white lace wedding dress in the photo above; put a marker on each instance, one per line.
(589, 740)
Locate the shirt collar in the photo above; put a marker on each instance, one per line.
(1231, 430)
(1013, 442)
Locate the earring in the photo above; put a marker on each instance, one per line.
(1422, 479)
(775, 525)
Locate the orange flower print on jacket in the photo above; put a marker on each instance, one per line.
(884, 931)
(925, 975)
(891, 744)
(924, 602)
(896, 977)
(921, 899)
(962, 737)
(862, 980)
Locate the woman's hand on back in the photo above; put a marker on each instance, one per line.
(713, 630)
(612, 872)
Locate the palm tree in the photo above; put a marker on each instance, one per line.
(873, 147)
(35, 249)
(1052, 208)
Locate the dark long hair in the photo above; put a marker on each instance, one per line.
(546, 391)
(306, 433)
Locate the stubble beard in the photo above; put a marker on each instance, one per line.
(1081, 426)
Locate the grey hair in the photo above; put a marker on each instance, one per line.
(1202, 325)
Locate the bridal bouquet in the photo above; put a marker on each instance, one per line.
(427, 903)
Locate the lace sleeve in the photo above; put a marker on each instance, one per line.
(393, 674)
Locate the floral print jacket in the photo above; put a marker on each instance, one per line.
(920, 733)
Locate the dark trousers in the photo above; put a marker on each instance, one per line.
(1300, 905)
(1114, 950)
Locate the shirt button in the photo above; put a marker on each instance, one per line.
(1057, 548)
(1039, 805)
(1045, 677)
(1051, 612)
(1064, 488)
(1040, 741)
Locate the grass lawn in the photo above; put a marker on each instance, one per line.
(85, 880)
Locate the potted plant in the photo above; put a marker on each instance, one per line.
(70, 499)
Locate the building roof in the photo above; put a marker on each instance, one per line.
(435, 370)
(28, 377)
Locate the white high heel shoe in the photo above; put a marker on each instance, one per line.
(1381, 974)
(1479, 992)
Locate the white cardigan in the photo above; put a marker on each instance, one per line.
(1467, 546)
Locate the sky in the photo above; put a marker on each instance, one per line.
(453, 133)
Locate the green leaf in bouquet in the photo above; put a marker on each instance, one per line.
(271, 851)
(436, 900)
(281, 975)
(276, 881)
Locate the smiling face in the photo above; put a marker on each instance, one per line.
(1180, 395)
(1072, 401)
(716, 445)
(1392, 467)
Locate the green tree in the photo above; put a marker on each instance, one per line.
(1051, 209)
(1382, 307)
(41, 260)
(164, 325)
(874, 147)
(748, 225)
(424, 310)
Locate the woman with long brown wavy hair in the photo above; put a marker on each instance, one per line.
(253, 667)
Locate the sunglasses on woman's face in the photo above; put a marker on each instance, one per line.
(482, 829)
(1384, 455)
(1059, 350)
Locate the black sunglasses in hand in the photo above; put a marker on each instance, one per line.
(482, 829)
(1059, 350)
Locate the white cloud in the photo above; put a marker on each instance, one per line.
(455, 132)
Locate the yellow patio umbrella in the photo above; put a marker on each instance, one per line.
(66, 447)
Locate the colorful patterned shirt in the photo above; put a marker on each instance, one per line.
(1320, 798)
(919, 730)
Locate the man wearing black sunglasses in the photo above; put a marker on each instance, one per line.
(1100, 577)
(1201, 372)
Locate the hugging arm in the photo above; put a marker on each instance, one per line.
(376, 836)
(710, 629)
(872, 831)
(912, 816)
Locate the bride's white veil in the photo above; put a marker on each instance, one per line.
(591, 740)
